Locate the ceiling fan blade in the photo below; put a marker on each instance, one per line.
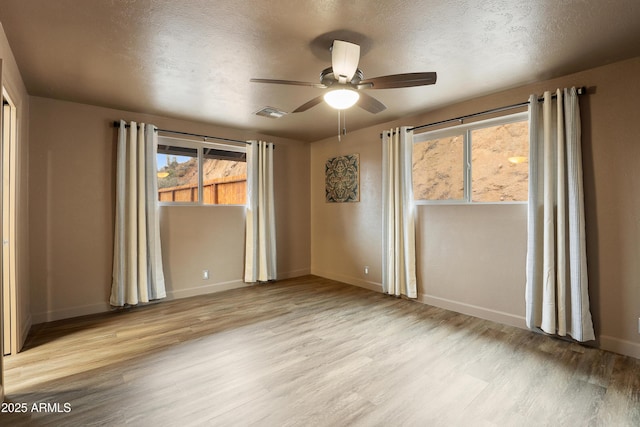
(344, 60)
(309, 104)
(369, 103)
(289, 82)
(398, 80)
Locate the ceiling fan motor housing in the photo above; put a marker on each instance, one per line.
(327, 77)
(344, 60)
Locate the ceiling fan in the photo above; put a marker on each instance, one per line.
(346, 81)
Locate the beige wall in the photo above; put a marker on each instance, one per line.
(188, 250)
(72, 197)
(472, 258)
(345, 236)
(12, 82)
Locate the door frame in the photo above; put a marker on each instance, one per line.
(8, 147)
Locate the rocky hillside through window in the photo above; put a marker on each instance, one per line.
(499, 166)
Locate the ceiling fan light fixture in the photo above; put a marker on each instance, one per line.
(341, 99)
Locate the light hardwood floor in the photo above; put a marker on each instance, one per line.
(311, 351)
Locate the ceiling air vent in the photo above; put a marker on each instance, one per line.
(270, 112)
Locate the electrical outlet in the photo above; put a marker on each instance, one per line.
(205, 274)
(366, 269)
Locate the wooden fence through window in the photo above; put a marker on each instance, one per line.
(230, 190)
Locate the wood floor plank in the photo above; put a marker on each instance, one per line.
(311, 352)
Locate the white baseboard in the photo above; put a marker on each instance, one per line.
(206, 289)
(459, 307)
(294, 273)
(225, 286)
(619, 346)
(103, 307)
(25, 327)
(66, 313)
(373, 286)
(615, 345)
(476, 311)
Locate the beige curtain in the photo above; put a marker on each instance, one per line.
(557, 299)
(137, 256)
(260, 248)
(398, 237)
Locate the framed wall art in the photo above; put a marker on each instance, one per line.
(342, 181)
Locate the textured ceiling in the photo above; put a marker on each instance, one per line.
(193, 59)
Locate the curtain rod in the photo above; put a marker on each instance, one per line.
(117, 125)
(580, 91)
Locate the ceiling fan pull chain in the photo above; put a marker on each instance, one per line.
(344, 123)
(339, 139)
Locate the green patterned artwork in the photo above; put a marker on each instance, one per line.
(341, 179)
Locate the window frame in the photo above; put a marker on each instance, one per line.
(199, 146)
(467, 167)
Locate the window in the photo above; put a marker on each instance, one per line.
(201, 173)
(479, 162)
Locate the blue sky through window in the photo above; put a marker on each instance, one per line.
(163, 161)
